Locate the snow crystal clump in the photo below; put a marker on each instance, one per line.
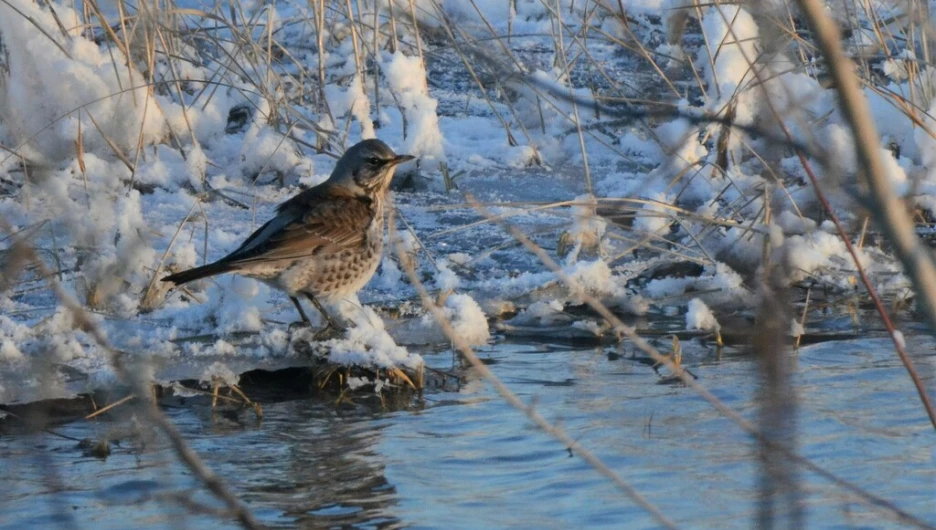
(467, 319)
(811, 253)
(353, 100)
(731, 38)
(220, 372)
(407, 79)
(237, 312)
(11, 334)
(699, 316)
(367, 342)
(545, 312)
(796, 328)
(720, 283)
(654, 216)
(593, 276)
(390, 275)
(446, 279)
(39, 98)
(463, 313)
(587, 226)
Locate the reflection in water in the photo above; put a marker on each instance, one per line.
(323, 471)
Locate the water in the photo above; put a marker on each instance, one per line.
(462, 458)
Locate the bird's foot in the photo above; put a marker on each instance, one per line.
(330, 331)
(296, 326)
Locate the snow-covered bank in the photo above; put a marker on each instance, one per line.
(124, 158)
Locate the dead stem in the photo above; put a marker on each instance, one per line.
(115, 404)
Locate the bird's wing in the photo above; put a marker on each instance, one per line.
(307, 224)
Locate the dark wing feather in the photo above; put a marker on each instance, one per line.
(307, 224)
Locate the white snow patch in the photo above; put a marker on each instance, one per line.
(593, 276)
(38, 100)
(899, 338)
(654, 216)
(445, 279)
(220, 372)
(367, 342)
(407, 79)
(466, 317)
(796, 328)
(700, 316)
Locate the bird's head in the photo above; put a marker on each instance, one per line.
(367, 167)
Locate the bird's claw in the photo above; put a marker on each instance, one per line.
(330, 331)
(296, 326)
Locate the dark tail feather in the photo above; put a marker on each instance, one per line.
(198, 273)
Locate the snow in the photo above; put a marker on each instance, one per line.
(587, 227)
(700, 316)
(654, 216)
(467, 319)
(899, 338)
(446, 279)
(731, 37)
(220, 373)
(64, 87)
(594, 277)
(367, 342)
(406, 78)
(199, 184)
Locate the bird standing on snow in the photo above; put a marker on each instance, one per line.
(324, 243)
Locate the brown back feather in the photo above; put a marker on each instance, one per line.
(324, 218)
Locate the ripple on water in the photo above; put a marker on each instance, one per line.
(465, 459)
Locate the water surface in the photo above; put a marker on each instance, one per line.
(462, 458)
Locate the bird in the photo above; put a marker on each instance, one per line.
(325, 242)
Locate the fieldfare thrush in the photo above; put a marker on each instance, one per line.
(324, 243)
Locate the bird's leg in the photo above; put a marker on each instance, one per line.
(305, 319)
(330, 324)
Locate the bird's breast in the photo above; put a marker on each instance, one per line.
(341, 272)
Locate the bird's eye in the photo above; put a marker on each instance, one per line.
(373, 161)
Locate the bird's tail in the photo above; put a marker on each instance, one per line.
(198, 273)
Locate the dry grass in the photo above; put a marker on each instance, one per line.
(252, 56)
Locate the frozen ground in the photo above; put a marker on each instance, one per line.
(117, 173)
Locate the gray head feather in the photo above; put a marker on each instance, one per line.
(366, 166)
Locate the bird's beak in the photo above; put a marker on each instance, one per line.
(400, 159)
